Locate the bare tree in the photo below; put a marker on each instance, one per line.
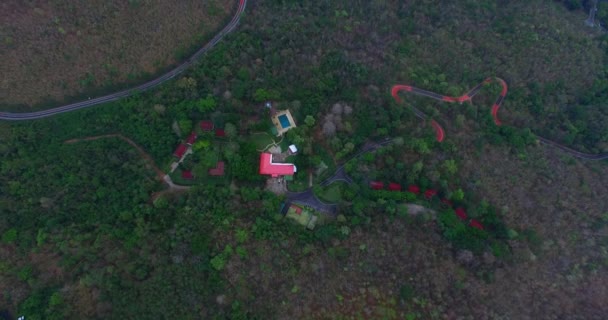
(336, 109)
(348, 109)
(329, 128)
(338, 122)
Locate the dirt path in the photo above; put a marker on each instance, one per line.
(159, 173)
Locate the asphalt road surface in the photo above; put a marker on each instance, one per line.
(129, 92)
(495, 107)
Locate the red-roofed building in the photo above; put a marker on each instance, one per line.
(297, 209)
(191, 138)
(430, 193)
(394, 186)
(267, 167)
(180, 151)
(461, 213)
(206, 125)
(413, 189)
(376, 185)
(220, 133)
(448, 202)
(187, 175)
(476, 224)
(218, 170)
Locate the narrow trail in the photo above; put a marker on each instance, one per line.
(159, 173)
(440, 133)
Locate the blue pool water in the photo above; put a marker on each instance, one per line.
(284, 121)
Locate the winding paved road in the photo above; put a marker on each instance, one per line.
(495, 107)
(308, 198)
(341, 175)
(129, 92)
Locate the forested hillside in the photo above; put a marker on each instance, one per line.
(85, 234)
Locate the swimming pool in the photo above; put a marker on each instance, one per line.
(284, 121)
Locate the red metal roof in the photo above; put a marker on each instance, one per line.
(218, 170)
(461, 213)
(275, 169)
(297, 209)
(448, 202)
(206, 125)
(376, 185)
(476, 224)
(413, 189)
(191, 138)
(187, 175)
(394, 186)
(220, 133)
(181, 149)
(430, 193)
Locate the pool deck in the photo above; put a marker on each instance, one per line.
(278, 120)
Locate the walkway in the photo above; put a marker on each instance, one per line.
(160, 175)
(495, 107)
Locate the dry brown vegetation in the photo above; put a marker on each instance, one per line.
(391, 268)
(50, 51)
(556, 202)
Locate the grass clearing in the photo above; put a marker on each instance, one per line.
(327, 166)
(262, 140)
(332, 193)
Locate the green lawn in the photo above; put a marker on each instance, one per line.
(215, 180)
(213, 151)
(297, 185)
(328, 161)
(261, 140)
(332, 193)
(305, 218)
(284, 145)
(176, 176)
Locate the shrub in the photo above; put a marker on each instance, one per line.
(9, 236)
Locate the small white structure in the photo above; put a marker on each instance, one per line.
(293, 149)
(268, 105)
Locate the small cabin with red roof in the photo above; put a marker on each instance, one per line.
(447, 202)
(220, 133)
(461, 213)
(218, 170)
(376, 185)
(394, 186)
(476, 224)
(206, 125)
(413, 189)
(180, 151)
(430, 193)
(186, 174)
(191, 138)
(297, 209)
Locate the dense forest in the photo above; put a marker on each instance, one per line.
(85, 234)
